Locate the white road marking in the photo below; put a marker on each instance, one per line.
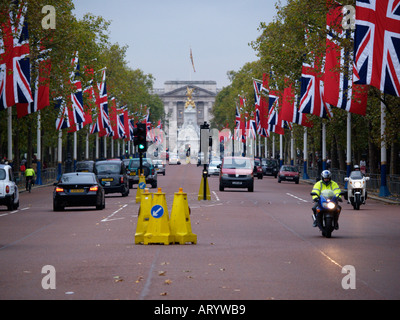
(114, 213)
(296, 197)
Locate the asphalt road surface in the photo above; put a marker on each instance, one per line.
(251, 246)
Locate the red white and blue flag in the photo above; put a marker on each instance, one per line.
(102, 125)
(377, 45)
(338, 75)
(14, 59)
(41, 97)
(289, 111)
(312, 90)
(76, 110)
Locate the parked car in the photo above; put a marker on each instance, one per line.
(160, 166)
(149, 171)
(236, 172)
(78, 189)
(270, 167)
(214, 167)
(9, 195)
(112, 176)
(86, 166)
(258, 171)
(288, 173)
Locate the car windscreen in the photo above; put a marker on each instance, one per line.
(237, 163)
(289, 169)
(84, 166)
(109, 168)
(2, 174)
(77, 179)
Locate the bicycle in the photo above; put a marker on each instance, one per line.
(29, 182)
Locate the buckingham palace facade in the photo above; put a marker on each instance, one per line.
(176, 95)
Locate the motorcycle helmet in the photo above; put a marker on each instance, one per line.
(356, 168)
(326, 177)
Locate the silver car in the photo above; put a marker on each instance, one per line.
(213, 167)
(159, 166)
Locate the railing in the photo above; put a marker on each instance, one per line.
(373, 185)
(49, 176)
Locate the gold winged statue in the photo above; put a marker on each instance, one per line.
(189, 101)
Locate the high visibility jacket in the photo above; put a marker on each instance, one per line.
(320, 186)
(29, 172)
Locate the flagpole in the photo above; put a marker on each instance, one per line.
(59, 156)
(87, 146)
(305, 155)
(9, 133)
(383, 191)
(291, 148)
(281, 149)
(348, 156)
(38, 152)
(323, 146)
(75, 149)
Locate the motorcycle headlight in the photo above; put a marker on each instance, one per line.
(358, 184)
(329, 205)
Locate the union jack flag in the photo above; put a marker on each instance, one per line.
(289, 111)
(238, 121)
(102, 125)
(41, 98)
(342, 92)
(377, 45)
(312, 91)
(14, 60)
(76, 110)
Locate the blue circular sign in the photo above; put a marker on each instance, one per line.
(157, 211)
(142, 185)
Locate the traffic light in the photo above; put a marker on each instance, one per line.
(140, 137)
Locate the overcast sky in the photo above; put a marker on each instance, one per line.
(160, 33)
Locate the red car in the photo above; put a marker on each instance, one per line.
(258, 171)
(289, 173)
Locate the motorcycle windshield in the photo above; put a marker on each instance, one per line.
(328, 194)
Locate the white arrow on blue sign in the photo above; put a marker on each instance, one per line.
(142, 185)
(157, 211)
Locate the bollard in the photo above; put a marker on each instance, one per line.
(140, 188)
(180, 224)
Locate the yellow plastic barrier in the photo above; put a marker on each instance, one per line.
(143, 216)
(158, 230)
(180, 224)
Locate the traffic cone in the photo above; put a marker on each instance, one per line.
(143, 216)
(140, 188)
(158, 230)
(180, 224)
(201, 190)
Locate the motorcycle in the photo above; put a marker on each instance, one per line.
(327, 211)
(356, 189)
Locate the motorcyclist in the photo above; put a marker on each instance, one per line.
(357, 168)
(30, 175)
(325, 183)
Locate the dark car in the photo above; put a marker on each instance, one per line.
(149, 171)
(270, 167)
(78, 189)
(236, 172)
(258, 171)
(112, 176)
(288, 173)
(86, 166)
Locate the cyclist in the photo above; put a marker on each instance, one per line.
(30, 177)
